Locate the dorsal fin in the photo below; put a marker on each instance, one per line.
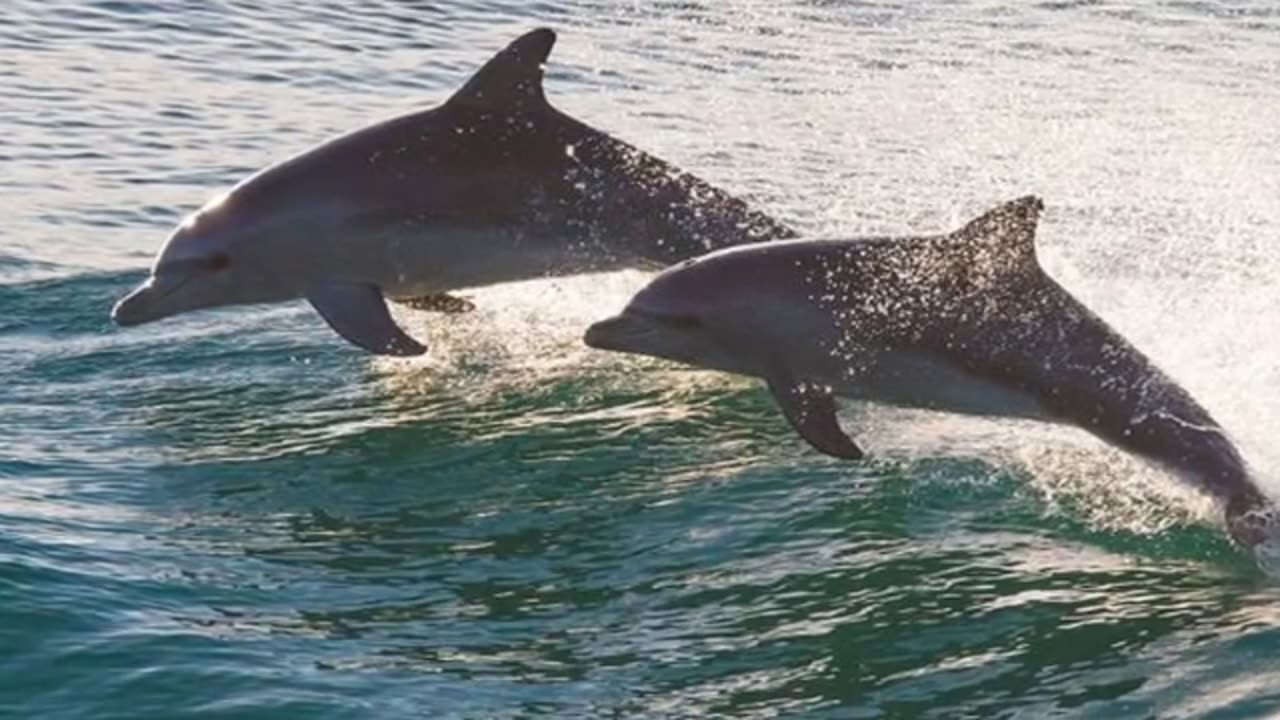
(1006, 235)
(513, 77)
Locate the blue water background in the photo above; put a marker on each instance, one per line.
(233, 514)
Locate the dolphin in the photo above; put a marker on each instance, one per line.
(965, 322)
(492, 186)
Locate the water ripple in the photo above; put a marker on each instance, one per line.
(232, 513)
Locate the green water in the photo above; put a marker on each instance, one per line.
(233, 514)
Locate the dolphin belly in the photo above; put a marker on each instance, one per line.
(917, 380)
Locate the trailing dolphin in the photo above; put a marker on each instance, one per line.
(965, 322)
(494, 185)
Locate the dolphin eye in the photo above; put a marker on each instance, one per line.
(218, 261)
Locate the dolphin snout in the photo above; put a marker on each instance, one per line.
(597, 333)
(616, 333)
(132, 308)
(149, 301)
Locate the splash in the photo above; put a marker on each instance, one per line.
(1267, 555)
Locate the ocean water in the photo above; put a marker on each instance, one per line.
(234, 514)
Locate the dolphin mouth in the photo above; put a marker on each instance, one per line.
(625, 332)
(144, 303)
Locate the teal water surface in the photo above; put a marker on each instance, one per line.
(233, 514)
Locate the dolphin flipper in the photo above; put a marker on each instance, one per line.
(811, 410)
(359, 314)
(439, 302)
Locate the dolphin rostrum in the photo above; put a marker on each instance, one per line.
(494, 185)
(965, 322)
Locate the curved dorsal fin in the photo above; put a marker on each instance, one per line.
(1006, 233)
(513, 76)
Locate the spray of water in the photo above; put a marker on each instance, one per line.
(1163, 196)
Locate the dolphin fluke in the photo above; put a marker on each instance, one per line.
(513, 77)
(1255, 524)
(1251, 518)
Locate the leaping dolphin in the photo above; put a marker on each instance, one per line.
(965, 322)
(494, 185)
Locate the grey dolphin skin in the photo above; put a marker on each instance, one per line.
(494, 185)
(965, 322)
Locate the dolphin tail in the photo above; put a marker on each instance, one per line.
(1251, 518)
(1254, 524)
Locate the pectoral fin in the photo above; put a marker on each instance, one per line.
(811, 410)
(439, 302)
(359, 314)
